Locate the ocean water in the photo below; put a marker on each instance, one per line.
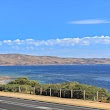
(97, 75)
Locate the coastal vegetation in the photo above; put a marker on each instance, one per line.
(64, 90)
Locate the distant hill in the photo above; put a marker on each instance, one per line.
(19, 59)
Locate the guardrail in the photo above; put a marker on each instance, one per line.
(60, 92)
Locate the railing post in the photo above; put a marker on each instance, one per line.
(5, 89)
(34, 90)
(63, 93)
(30, 90)
(60, 92)
(71, 94)
(13, 89)
(41, 91)
(94, 98)
(97, 95)
(84, 94)
(50, 91)
(26, 90)
(19, 89)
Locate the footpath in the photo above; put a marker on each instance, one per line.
(75, 102)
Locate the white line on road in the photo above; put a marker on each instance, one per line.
(29, 105)
(2, 109)
(48, 103)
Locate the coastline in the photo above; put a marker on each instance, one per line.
(52, 64)
(4, 79)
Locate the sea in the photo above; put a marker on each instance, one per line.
(96, 75)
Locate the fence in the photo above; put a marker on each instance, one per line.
(63, 93)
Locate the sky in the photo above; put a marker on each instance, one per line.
(63, 28)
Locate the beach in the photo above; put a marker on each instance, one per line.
(3, 79)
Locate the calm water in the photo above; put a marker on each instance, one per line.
(97, 75)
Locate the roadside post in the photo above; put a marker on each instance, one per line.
(19, 89)
(50, 91)
(71, 93)
(84, 95)
(97, 95)
(60, 92)
(41, 91)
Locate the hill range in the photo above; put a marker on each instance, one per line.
(21, 59)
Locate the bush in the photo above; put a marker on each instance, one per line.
(78, 89)
(24, 81)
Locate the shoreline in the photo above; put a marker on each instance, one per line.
(54, 65)
(4, 79)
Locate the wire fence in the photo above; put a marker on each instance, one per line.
(62, 93)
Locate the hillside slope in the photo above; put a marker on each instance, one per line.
(19, 59)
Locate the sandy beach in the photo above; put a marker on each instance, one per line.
(3, 79)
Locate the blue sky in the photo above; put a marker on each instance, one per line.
(65, 28)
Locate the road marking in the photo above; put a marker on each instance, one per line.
(48, 103)
(29, 105)
(2, 109)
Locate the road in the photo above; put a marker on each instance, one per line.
(8, 103)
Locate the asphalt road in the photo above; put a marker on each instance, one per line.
(8, 103)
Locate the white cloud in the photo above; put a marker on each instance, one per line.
(9, 42)
(31, 43)
(90, 21)
(96, 46)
